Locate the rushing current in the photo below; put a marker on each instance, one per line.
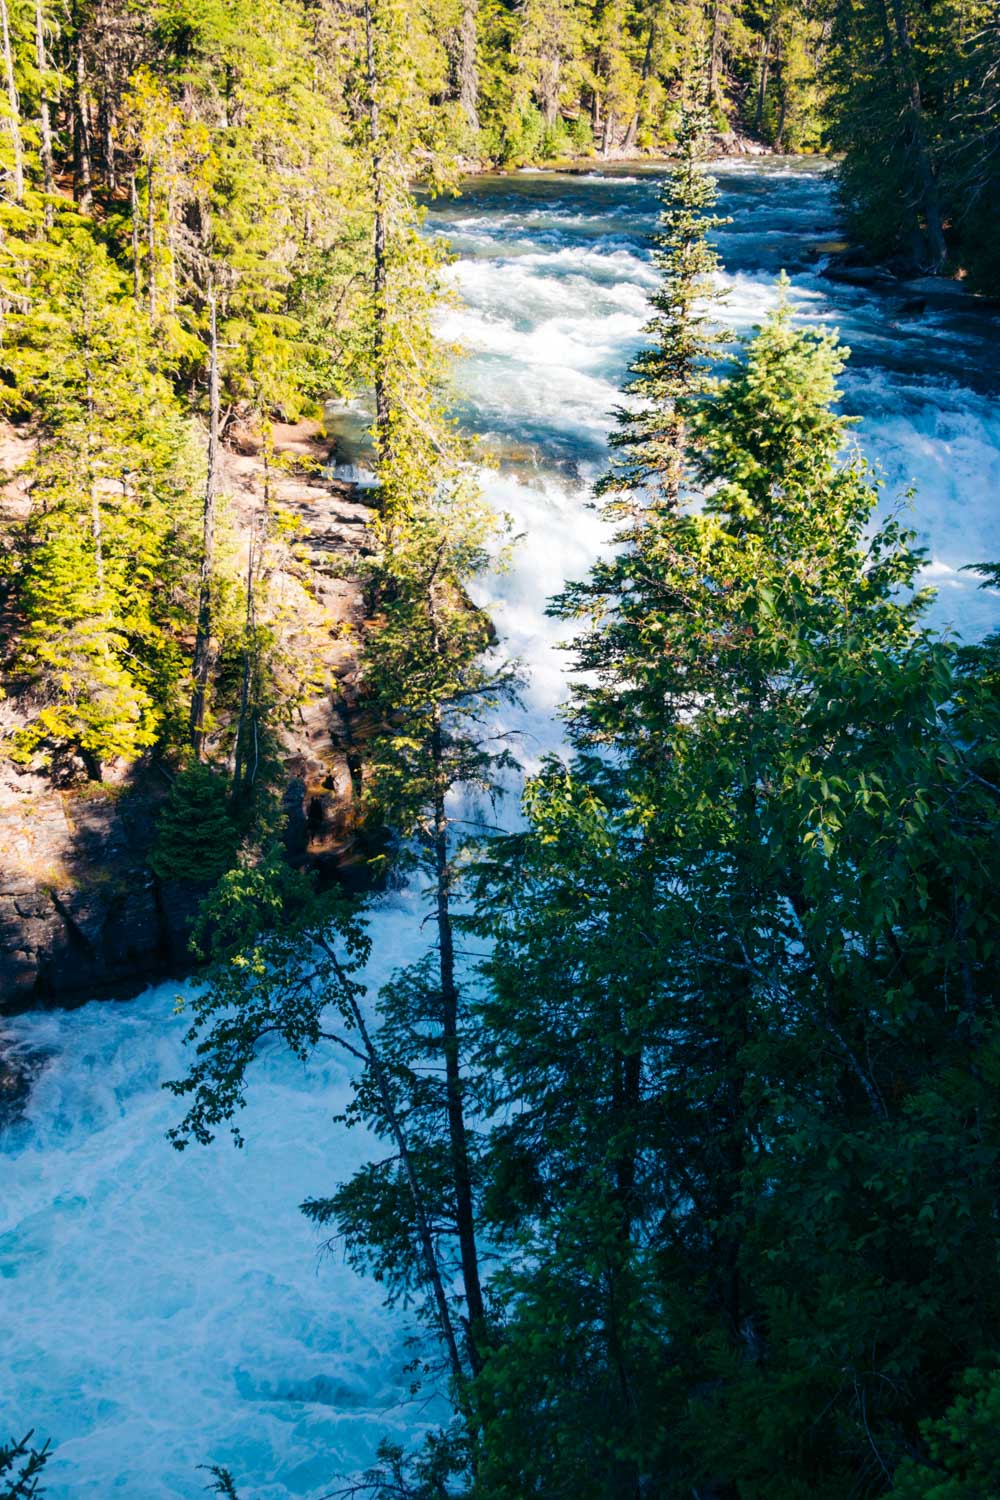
(163, 1311)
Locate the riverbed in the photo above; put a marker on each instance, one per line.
(162, 1311)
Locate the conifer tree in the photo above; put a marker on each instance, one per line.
(747, 914)
(21, 1468)
(103, 572)
(643, 487)
(414, 1217)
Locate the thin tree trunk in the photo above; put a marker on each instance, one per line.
(465, 1209)
(379, 275)
(242, 726)
(242, 779)
(83, 171)
(203, 637)
(91, 478)
(171, 255)
(96, 526)
(779, 135)
(468, 64)
(151, 238)
(45, 115)
(626, 1088)
(550, 90)
(424, 1234)
(458, 1137)
(647, 68)
(926, 178)
(133, 190)
(765, 68)
(14, 104)
(715, 54)
(109, 143)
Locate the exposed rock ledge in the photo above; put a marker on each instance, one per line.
(82, 914)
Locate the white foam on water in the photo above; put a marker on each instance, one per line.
(165, 1310)
(609, 177)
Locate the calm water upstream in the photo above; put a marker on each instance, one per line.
(161, 1311)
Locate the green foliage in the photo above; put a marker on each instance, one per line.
(913, 106)
(21, 1468)
(962, 1447)
(422, 1476)
(721, 1107)
(279, 954)
(196, 836)
(223, 1483)
(740, 980)
(643, 488)
(105, 557)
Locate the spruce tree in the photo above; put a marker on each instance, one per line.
(643, 488)
(105, 556)
(414, 1218)
(21, 1467)
(782, 919)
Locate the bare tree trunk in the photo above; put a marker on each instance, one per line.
(133, 192)
(379, 275)
(549, 89)
(241, 755)
(462, 1177)
(779, 135)
(151, 238)
(715, 53)
(108, 123)
(765, 68)
(926, 177)
(171, 254)
(14, 104)
(45, 114)
(647, 67)
(424, 1235)
(468, 64)
(203, 638)
(457, 1134)
(83, 170)
(243, 777)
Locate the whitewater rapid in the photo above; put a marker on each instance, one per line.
(161, 1311)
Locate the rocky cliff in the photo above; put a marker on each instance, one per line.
(82, 913)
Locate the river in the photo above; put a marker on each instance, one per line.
(162, 1311)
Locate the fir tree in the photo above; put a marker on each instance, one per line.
(105, 553)
(196, 837)
(746, 917)
(21, 1468)
(643, 488)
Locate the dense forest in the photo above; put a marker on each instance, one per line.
(689, 1103)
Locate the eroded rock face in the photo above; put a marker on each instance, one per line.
(19, 1067)
(82, 913)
